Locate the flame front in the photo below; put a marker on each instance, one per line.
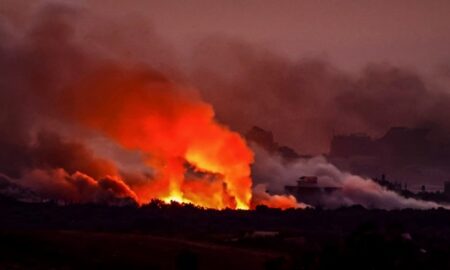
(174, 130)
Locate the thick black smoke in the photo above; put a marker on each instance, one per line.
(304, 102)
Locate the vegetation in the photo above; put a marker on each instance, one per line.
(160, 236)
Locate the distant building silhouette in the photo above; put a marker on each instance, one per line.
(394, 186)
(265, 139)
(352, 145)
(447, 188)
(409, 154)
(399, 140)
(308, 190)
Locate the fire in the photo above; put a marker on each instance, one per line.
(195, 159)
(178, 197)
(172, 127)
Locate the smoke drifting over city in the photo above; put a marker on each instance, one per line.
(88, 114)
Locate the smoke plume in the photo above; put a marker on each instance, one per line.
(57, 95)
(68, 82)
(306, 101)
(275, 172)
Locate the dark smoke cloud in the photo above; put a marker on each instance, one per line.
(33, 69)
(304, 102)
(42, 150)
(51, 151)
(63, 86)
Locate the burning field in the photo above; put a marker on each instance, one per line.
(56, 97)
(79, 125)
(193, 159)
(189, 156)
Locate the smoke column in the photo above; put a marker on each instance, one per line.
(57, 95)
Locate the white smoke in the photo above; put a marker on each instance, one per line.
(276, 173)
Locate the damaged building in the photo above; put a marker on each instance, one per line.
(310, 191)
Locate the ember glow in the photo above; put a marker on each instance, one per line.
(196, 160)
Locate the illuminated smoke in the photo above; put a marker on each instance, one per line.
(77, 188)
(262, 197)
(143, 111)
(57, 93)
(57, 97)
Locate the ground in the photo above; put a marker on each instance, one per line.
(50, 236)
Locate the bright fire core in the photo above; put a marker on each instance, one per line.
(172, 128)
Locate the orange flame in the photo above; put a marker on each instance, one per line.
(196, 159)
(172, 128)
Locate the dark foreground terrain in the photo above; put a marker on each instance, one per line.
(156, 236)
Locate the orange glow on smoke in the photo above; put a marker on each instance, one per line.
(195, 159)
(172, 127)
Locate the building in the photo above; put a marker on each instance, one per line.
(309, 191)
(447, 188)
